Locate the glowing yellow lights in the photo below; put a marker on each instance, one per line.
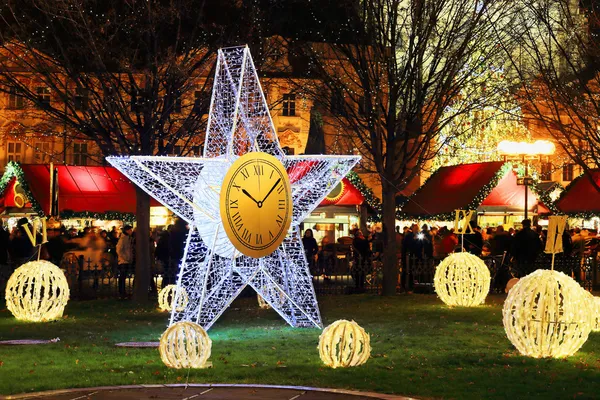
(262, 303)
(462, 279)
(166, 296)
(344, 344)
(595, 307)
(185, 345)
(37, 291)
(539, 147)
(547, 314)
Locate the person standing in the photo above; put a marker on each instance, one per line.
(311, 249)
(125, 257)
(177, 238)
(362, 254)
(525, 248)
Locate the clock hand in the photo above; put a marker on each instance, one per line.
(258, 203)
(273, 188)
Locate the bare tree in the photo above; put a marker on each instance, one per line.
(558, 61)
(391, 79)
(131, 76)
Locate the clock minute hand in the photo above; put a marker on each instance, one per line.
(258, 203)
(273, 188)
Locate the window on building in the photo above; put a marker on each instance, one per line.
(81, 99)
(15, 99)
(14, 151)
(43, 96)
(338, 105)
(289, 105)
(41, 153)
(80, 153)
(567, 172)
(546, 172)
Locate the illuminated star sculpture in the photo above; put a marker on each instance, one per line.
(213, 272)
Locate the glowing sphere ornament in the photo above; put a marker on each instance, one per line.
(185, 345)
(344, 344)
(166, 297)
(462, 279)
(37, 291)
(595, 306)
(547, 314)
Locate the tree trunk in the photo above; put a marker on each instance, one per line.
(142, 247)
(390, 262)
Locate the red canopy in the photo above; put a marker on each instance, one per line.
(80, 189)
(344, 194)
(456, 187)
(581, 196)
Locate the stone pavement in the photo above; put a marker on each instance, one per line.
(204, 392)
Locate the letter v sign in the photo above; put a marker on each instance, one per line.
(461, 222)
(33, 235)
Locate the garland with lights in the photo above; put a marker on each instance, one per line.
(481, 195)
(13, 170)
(370, 198)
(106, 216)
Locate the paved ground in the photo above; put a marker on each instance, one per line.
(204, 392)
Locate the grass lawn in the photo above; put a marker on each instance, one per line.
(421, 348)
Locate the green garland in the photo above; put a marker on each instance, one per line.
(370, 198)
(14, 170)
(108, 215)
(576, 214)
(480, 196)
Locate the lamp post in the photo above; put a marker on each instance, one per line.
(525, 150)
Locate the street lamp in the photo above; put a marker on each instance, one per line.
(524, 150)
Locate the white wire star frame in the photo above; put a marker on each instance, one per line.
(213, 272)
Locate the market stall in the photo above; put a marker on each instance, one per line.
(491, 188)
(581, 201)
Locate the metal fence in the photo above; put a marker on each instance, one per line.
(336, 273)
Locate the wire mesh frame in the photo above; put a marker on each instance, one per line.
(212, 272)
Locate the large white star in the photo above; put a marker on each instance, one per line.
(212, 272)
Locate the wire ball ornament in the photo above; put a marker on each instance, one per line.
(462, 279)
(344, 344)
(167, 295)
(547, 314)
(185, 345)
(37, 291)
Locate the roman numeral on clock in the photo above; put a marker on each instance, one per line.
(245, 173)
(237, 221)
(279, 220)
(281, 204)
(280, 189)
(233, 204)
(271, 236)
(258, 238)
(246, 235)
(259, 170)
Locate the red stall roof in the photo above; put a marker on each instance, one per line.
(80, 189)
(344, 194)
(456, 187)
(581, 197)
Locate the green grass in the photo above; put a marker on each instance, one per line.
(420, 348)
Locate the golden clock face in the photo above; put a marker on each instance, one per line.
(256, 204)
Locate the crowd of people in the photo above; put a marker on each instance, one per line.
(97, 247)
(517, 248)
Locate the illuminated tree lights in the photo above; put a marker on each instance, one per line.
(344, 344)
(462, 279)
(37, 291)
(185, 345)
(212, 272)
(547, 314)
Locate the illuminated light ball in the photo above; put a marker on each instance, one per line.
(547, 314)
(595, 306)
(262, 303)
(462, 279)
(37, 291)
(509, 285)
(166, 296)
(344, 344)
(185, 345)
